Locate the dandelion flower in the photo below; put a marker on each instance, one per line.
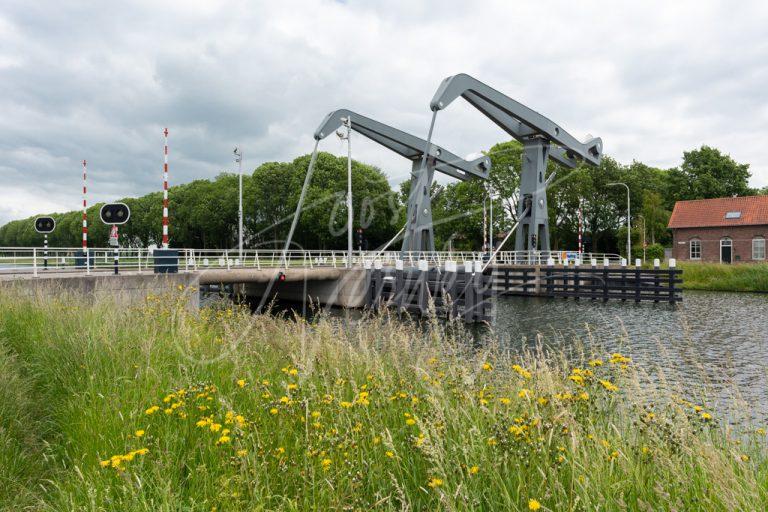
(474, 470)
(524, 393)
(389, 454)
(410, 421)
(435, 482)
(242, 453)
(152, 410)
(241, 383)
(139, 433)
(326, 464)
(706, 416)
(533, 504)
(610, 386)
(273, 411)
(487, 367)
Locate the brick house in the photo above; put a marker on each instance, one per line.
(722, 230)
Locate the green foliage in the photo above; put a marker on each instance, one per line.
(707, 173)
(654, 251)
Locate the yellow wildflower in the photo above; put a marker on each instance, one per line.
(273, 411)
(242, 453)
(435, 482)
(524, 393)
(533, 504)
(152, 410)
(326, 464)
(505, 401)
(474, 470)
(596, 362)
(139, 433)
(487, 367)
(241, 383)
(389, 454)
(609, 385)
(521, 371)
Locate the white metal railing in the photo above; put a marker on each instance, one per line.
(36, 260)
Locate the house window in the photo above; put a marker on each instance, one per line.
(695, 249)
(733, 215)
(758, 248)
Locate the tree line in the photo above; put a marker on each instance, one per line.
(204, 213)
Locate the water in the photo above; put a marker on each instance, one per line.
(712, 339)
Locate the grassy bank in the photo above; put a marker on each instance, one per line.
(156, 409)
(725, 278)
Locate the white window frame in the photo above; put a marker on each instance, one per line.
(758, 242)
(726, 242)
(690, 248)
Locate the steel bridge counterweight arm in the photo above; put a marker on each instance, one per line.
(425, 157)
(406, 145)
(516, 119)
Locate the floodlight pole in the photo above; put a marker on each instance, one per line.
(629, 238)
(239, 159)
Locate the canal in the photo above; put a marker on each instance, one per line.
(712, 341)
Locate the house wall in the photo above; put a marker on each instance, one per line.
(710, 242)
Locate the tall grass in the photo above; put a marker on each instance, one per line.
(748, 277)
(157, 408)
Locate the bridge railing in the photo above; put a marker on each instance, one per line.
(21, 260)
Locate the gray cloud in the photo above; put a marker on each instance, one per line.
(98, 81)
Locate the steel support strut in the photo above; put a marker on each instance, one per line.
(533, 233)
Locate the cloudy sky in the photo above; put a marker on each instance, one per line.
(99, 81)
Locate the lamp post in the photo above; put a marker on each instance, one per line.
(643, 219)
(239, 160)
(347, 121)
(629, 239)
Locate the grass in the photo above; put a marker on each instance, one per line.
(156, 408)
(752, 277)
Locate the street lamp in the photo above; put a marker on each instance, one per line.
(347, 136)
(629, 239)
(239, 160)
(643, 218)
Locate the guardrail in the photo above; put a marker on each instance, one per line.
(36, 260)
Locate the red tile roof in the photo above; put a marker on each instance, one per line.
(702, 213)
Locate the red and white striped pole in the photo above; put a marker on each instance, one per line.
(85, 213)
(581, 229)
(165, 192)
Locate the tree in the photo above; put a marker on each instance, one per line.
(707, 173)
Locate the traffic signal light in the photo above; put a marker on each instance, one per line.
(45, 224)
(115, 213)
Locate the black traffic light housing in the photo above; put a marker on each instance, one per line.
(115, 213)
(45, 224)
